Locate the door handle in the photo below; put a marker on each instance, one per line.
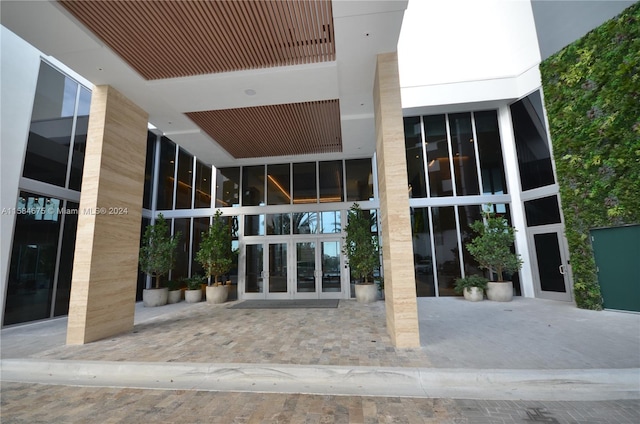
(561, 269)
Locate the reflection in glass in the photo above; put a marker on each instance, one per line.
(253, 185)
(468, 215)
(532, 146)
(331, 266)
(440, 183)
(254, 225)
(203, 185)
(305, 188)
(306, 267)
(490, 152)
(278, 268)
(65, 267)
(542, 211)
(415, 159)
(181, 266)
(330, 222)
(80, 139)
(305, 222)
(278, 184)
(278, 224)
(33, 260)
(359, 179)
(185, 180)
(200, 225)
(464, 154)
(331, 181)
(142, 277)
(166, 174)
(254, 268)
(227, 187)
(47, 153)
(446, 244)
(148, 170)
(422, 255)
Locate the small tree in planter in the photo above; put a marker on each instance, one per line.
(492, 249)
(216, 257)
(156, 258)
(361, 249)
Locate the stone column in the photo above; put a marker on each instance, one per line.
(397, 249)
(105, 266)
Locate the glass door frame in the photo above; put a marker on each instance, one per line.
(318, 273)
(558, 229)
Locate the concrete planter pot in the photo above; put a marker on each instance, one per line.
(217, 294)
(193, 296)
(366, 293)
(473, 294)
(500, 291)
(174, 296)
(155, 297)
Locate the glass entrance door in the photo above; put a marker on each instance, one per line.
(318, 265)
(550, 263)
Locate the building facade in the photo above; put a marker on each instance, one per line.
(100, 136)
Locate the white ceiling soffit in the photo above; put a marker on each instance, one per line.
(51, 29)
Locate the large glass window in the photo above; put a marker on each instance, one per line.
(278, 224)
(305, 222)
(181, 266)
(542, 211)
(330, 222)
(422, 255)
(415, 159)
(446, 244)
(166, 175)
(359, 179)
(464, 154)
(254, 225)
(51, 128)
(490, 152)
(331, 181)
(80, 139)
(185, 180)
(468, 215)
(532, 146)
(148, 170)
(203, 185)
(227, 187)
(65, 267)
(305, 187)
(200, 225)
(253, 185)
(34, 256)
(278, 184)
(440, 182)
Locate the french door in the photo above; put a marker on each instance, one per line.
(293, 268)
(550, 261)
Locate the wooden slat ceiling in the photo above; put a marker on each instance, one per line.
(169, 39)
(278, 130)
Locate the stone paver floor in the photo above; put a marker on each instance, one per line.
(352, 334)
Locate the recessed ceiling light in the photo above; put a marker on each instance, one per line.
(250, 92)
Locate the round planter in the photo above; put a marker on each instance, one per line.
(193, 296)
(155, 297)
(174, 296)
(473, 294)
(500, 292)
(217, 294)
(366, 293)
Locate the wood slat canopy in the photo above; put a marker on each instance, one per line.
(169, 39)
(277, 130)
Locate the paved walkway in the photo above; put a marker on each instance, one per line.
(529, 359)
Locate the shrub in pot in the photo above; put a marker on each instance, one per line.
(362, 252)
(472, 287)
(216, 257)
(175, 294)
(491, 247)
(156, 258)
(193, 292)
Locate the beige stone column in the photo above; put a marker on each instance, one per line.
(105, 266)
(397, 249)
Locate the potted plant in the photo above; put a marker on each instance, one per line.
(472, 287)
(156, 258)
(193, 292)
(492, 249)
(361, 249)
(174, 291)
(216, 257)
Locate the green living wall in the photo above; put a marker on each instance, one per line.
(592, 96)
